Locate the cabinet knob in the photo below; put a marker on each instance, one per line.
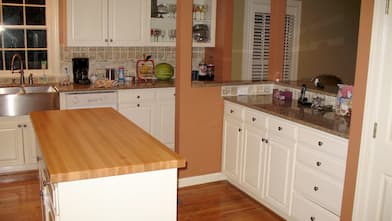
(280, 128)
(239, 129)
(138, 105)
(24, 125)
(106, 40)
(111, 40)
(318, 163)
(315, 188)
(262, 140)
(320, 143)
(231, 111)
(19, 125)
(266, 141)
(138, 97)
(312, 218)
(253, 119)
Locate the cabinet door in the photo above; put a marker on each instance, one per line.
(253, 161)
(11, 151)
(140, 114)
(87, 22)
(232, 139)
(279, 173)
(127, 19)
(163, 128)
(29, 141)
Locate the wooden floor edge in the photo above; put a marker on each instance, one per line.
(12, 177)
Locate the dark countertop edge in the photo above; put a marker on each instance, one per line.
(226, 83)
(305, 123)
(72, 88)
(198, 84)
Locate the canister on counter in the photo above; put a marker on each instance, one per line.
(211, 72)
(203, 72)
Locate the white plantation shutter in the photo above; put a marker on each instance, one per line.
(257, 39)
(260, 46)
(288, 47)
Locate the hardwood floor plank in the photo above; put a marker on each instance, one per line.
(220, 201)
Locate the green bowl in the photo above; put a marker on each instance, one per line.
(164, 71)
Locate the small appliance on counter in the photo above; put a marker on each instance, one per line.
(80, 70)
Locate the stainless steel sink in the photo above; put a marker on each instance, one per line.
(17, 101)
(10, 90)
(39, 89)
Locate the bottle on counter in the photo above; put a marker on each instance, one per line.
(44, 77)
(121, 76)
(203, 72)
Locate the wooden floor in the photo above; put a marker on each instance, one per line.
(220, 201)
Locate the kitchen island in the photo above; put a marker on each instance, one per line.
(97, 165)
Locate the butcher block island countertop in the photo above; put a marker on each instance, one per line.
(92, 143)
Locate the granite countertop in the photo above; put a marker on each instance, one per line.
(326, 121)
(129, 85)
(100, 147)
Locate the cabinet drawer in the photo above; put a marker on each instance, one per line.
(166, 94)
(317, 187)
(321, 162)
(134, 96)
(323, 142)
(234, 110)
(282, 128)
(255, 119)
(305, 210)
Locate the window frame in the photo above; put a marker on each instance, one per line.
(52, 42)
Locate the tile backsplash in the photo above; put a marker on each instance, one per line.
(114, 57)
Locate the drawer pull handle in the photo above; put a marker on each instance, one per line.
(262, 140)
(239, 129)
(312, 218)
(138, 105)
(231, 111)
(138, 97)
(19, 125)
(316, 188)
(318, 163)
(320, 143)
(253, 119)
(280, 128)
(266, 141)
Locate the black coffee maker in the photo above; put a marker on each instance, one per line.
(80, 70)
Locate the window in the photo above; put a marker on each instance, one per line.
(23, 32)
(258, 45)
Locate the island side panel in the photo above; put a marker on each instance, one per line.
(147, 196)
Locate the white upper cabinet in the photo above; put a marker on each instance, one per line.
(127, 22)
(105, 23)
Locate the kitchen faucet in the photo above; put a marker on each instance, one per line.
(21, 71)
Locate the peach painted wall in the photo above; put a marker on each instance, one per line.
(278, 13)
(365, 28)
(221, 54)
(199, 111)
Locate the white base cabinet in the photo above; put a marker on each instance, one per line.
(18, 144)
(296, 171)
(151, 109)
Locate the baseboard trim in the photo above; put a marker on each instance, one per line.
(202, 179)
